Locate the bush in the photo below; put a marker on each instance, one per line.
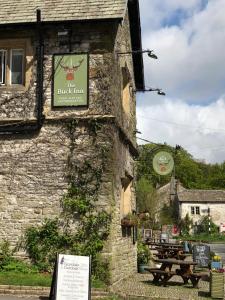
(143, 253)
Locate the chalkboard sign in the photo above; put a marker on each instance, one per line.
(201, 255)
(71, 278)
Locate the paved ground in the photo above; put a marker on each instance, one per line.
(141, 285)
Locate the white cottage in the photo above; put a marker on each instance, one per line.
(200, 203)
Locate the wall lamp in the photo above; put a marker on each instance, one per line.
(159, 91)
(150, 53)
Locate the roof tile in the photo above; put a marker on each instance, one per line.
(23, 11)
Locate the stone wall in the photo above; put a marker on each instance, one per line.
(34, 167)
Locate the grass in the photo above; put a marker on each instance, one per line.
(35, 279)
(205, 237)
(26, 279)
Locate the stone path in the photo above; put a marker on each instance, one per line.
(140, 285)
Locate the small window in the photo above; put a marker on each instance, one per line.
(192, 210)
(17, 58)
(126, 94)
(197, 210)
(2, 66)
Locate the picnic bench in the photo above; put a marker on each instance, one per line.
(170, 252)
(164, 273)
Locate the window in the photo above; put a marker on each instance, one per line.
(12, 66)
(195, 210)
(17, 66)
(126, 196)
(126, 96)
(2, 66)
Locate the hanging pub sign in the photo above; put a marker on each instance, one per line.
(163, 163)
(70, 80)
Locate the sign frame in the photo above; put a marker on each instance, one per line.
(201, 256)
(55, 280)
(71, 106)
(154, 163)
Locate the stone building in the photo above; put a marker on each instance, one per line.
(42, 140)
(200, 203)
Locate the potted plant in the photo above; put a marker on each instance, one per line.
(143, 256)
(129, 220)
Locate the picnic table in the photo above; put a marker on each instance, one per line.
(170, 252)
(165, 272)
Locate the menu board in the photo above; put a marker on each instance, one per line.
(73, 277)
(201, 255)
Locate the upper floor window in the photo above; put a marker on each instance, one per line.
(11, 66)
(2, 66)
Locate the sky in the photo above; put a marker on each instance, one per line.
(189, 39)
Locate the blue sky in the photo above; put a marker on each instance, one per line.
(189, 39)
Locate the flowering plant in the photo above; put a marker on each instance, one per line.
(218, 270)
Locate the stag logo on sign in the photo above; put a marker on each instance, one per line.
(163, 163)
(71, 69)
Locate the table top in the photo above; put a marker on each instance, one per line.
(173, 261)
(168, 248)
(166, 245)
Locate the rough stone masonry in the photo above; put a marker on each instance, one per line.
(34, 166)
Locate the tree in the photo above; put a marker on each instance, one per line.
(147, 198)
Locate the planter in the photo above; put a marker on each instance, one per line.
(217, 285)
(216, 265)
(141, 268)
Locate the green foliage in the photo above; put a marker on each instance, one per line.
(191, 173)
(203, 227)
(42, 243)
(168, 215)
(185, 225)
(82, 228)
(146, 197)
(143, 253)
(25, 279)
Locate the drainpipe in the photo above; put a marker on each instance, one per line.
(29, 127)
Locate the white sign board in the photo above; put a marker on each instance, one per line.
(73, 277)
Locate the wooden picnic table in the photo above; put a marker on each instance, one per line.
(164, 273)
(166, 245)
(172, 252)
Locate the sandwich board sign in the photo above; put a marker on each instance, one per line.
(201, 255)
(71, 278)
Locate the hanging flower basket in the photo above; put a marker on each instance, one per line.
(129, 221)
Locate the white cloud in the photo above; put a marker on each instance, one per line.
(199, 129)
(189, 39)
(191, 56)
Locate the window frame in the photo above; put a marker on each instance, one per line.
(4, 66)
(197, 210)
(10, 66)
(192, 210)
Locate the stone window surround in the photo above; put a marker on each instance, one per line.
(8, 45)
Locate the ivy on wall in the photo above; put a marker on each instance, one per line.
(82, 227)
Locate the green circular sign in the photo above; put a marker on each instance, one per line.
(163, 163)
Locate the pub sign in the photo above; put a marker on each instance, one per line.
(70, 80)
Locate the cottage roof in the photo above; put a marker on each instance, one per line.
(195, 196)
(24, 11)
